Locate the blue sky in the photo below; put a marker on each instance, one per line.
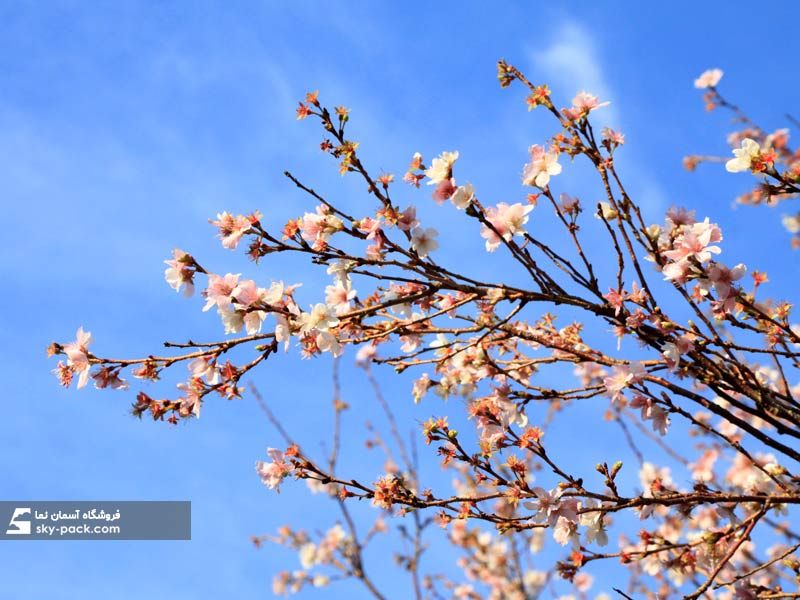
(125, 126)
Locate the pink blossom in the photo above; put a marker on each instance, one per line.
(660, 419)
(423, 241)
(652, 478)
(251, 320)
(202, 368)
(282, 331)
(566, 531)
(694, 242)
(791, 223)
(744, 157)
(623, 376)
(549, 506)
(247, 293)
(413, 178)
(191, 401)
(319, 226)
(722, 278)
(543, 164)
(441, 168)
(245, 303)
(448, 303)
(703, 468)
(490, 234)
(583, 581)
(319, 318)
(595, 524)
(231, 229)
(328, 342)
(78, 355)
(677, 271)
(219, 290)
(375, 251)
(107, 377)
(616, 298)
(421, 387)
(638, 294)
(613, 137)
(463, 196)
(64, 373)
(179, 272)
(370, 226)
(340, 269)
(650, 411)
(546, 504)
(366, 354)
(444, 190)
(583, 103)
(272, 473)
(570, 204)
(410, 342)
(339, 297)
(708, 79)
(507, 220)
(672, 351)
(678, 215)
(408, 219)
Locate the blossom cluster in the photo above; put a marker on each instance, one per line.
(695, 353)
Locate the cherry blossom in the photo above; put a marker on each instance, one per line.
(408, 219)
(106, 377)
(319, 226)
(441, 168)
(650, 411)
(339, 297)
(179, 273)
(623, 376)
(340, 269)
(543, 165)
(444, 190)
(745, 156)
(423, 241)
(695, 241)
(792, 223)
(722, 278)
(463, 196)
(703, 468)
(78, 355)
(246, 300)
(319, 318)
(708, 79)
(653, 478)
(507, 220)
(219, 291)
(201, 367)
(672, 351)
(231, 229)
(703, 376)
(366, 354)
(616, 299)
(582, 104)
(613, 137)
(273, 472)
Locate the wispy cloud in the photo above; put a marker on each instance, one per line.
(572, 63)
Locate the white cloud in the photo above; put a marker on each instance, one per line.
(571, 63)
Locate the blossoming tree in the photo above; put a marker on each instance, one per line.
(711, 359)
